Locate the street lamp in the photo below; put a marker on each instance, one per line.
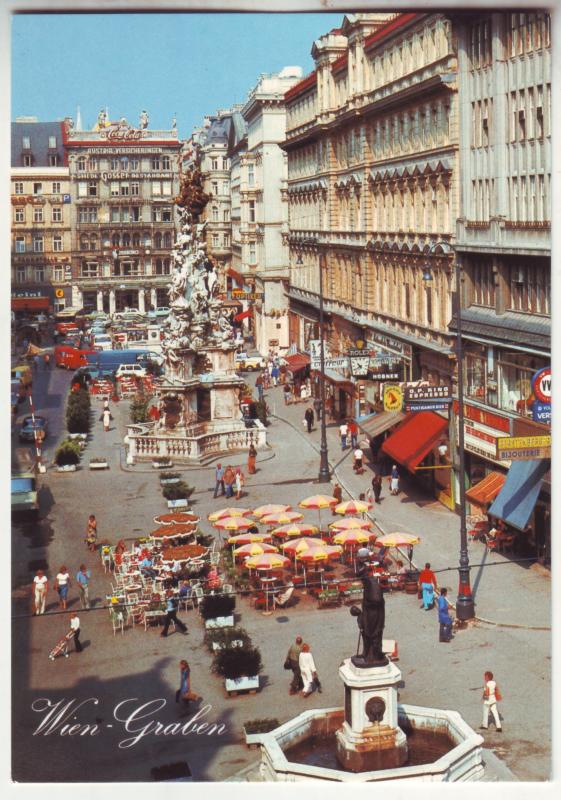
(464, 604)
(324, 474)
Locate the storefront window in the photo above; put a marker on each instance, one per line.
(515, 390)
(475, 369)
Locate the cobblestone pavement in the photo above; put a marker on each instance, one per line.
(516, 601)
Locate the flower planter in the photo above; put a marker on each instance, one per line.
(178, 504)
(169, 481)
(162, 464)
(99, 465)
(247, 683)
(252, 740)
(220, 622)
(67, 468)
(217, 645)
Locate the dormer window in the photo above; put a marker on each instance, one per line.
(25, 143)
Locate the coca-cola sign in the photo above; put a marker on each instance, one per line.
(121, 132)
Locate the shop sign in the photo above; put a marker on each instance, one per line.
(129, 252)
(376, 339)
(273, 342)
(27, 293)
(330, 363)
(487, 418)
(541, 385)
(541, 412)
(427, 405)
(122, 133)
(59, 293)
(414, 392)
(68, 273)
(523, 448)
(393, 397)
(481, 438)
(239, 294)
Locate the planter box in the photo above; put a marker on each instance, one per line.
(244, 684)
(168, 481)
(82, 436)
(220, 622)
(162, 465)
(252, 739)
(234, 643)
(99, 465)
(178, 504)
(67, 468)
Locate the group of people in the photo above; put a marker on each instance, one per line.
(62, 583)
(300, 661)
(229, 480)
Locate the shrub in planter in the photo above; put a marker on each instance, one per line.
(206, 539)
(261, 725)
(223, 637)
(78, 420)
(217, 605)
(68, 452)
(167, 476)
(237, 662)
(139, 408)
(177, 491)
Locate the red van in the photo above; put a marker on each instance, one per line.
(70, 357)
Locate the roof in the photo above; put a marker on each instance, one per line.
(38, 134)
(374, 424)
(218, 132)
(306, 83)
(486, 490)
(390, 27)
(297, 361)
(415, 438)
(515, 502)
(510, 327)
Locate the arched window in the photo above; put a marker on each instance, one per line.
(158, 241)
(81, 164)
(158, 266)
(115, 240)
(166, 266)
(126, 240)
(93, 242)
(84, 242)
(136, 240)
(167, 240)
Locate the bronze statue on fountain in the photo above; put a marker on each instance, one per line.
(371, 621)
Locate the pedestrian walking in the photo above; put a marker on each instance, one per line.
(292, 662)
(172, 604)
(308, 671)
(83, 580)
(229, 480)
(39, 590)
(337, 493)
(91, 533)
(353, 433)
(251, 458)
(75, 626)
(259, 386)
(357, 461)
(266, 378)
(377, 486)
(185, 692)
(275, 372)
(444, 618)
(427, 586)
(343, 431)
(491, 695)
(62, 584)
(239, 483)
(309, 417)
(287, 393)
(47, 360)
(394, 480)
(219, 480)
(106, 416)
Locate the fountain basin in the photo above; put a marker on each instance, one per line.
(442, 747)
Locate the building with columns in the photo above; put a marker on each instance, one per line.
(41, 226)
(372, 144)
(123, 181)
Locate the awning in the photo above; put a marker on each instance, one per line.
(297, 362)
(30, 303)
(335, 377)
(238, 277)
(374, 424)
(244, 315)
(414, 438)
(486, 490)
(515, 502)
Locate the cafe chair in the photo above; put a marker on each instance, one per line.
(283, 599)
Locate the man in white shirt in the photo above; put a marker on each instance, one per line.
(75, 626)
(39, 589)
(490, 698)
(343, 431)
(358, 456)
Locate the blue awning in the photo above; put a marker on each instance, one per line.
(515, 502)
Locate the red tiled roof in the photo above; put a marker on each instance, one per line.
(305, 83)
(389, 28)
(339, 63)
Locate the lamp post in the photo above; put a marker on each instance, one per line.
(464, 604)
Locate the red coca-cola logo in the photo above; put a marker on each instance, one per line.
(121, 133)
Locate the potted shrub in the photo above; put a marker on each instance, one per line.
(99, 463)
(167, 478)
(218, 638)
(205, 539)
(253, 727)
(162, 462)
(67, 456)
(217, 610)
(139, 409)
(240, 668)
(177, 491)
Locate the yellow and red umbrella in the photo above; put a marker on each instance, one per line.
(350, 523)
(299, 545)
(249, 538)
(233, 524)
(267, 561)
(255, 549)
(353, 537)
(295, 529)
(318, 501)
(234, 511)
(322, 552)
(282, 518)
(353, 507)
(399, 539)
(270, 508)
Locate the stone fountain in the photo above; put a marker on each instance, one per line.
(199, 398)
(374, 737)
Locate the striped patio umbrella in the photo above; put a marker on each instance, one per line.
(351, 523)
(233, 524)
(320, 553)
(318, 501)
(399, 539)
(267, 561)
(295, 529)
(282, 518)
(270, 508)
(255, 549)
(249, 538)
(300, 545)
(353, 507)
(229, 512)
(354, 536)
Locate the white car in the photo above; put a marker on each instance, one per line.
(130, 370)
(159, 313)
(250, 363)
(102, 342)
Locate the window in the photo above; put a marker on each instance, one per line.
(58, 274)
(56, 187)
(20, 244)
(27, 161)
(38, 214)
(428, 298)
(135, 188)
(37, 244)
(18, 187)
(167, 239)
(134, 163)
(56, 214)
(225, 187)
(52, 142)
(21, 273)
(407, 300)
(114, 188)
(214, 187)
(226, 240)
(226, 215)
(93, 163)
(251, 175)
(215, 240)
(39, 274)
(114, 163)
(252, 210)
(92, 188)
(37, 188)
(483, 284)
(224, 163)
(156, 163)
(126, 240)
(135, 214)
(124, 189)
(214, 163)
(161, 214)
(82, 189)
(87, 214)
(124, 163)
(26, 143)
(485, 124)
(214, 214)
(252, 253)
(53, 160)
(57, 243)
(81, 164)
(89, 269)
(19, 215)
(115, 214)
(84, 242)
(166, 163)
(125, 214)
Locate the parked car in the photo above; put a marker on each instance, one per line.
(24, 492)
(158, 313)
(101, 341)
(130, 370)
(243, 361)
(22, 373)
(29, 427)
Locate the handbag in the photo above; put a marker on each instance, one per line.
(498, 695)
(287, 664)
(317, 683)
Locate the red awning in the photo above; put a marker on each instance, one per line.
(297, 361)
(236, 276)
(244, 315)
(484, 492)
(414, 438)
(31, 303)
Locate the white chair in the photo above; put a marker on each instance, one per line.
(227, 589)
(198, 594)
(117, 620)
(283, 599)
(215, 558)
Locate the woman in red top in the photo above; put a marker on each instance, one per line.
(427, 584)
